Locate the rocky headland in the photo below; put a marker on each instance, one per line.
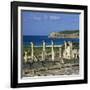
(65, 34)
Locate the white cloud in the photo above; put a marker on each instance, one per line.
(54, 17)
(46, 17)
(36, 18)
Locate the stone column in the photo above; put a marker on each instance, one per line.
(70, 44)
(52, 50)
(25, 57)
(32, 50)
(43, 51)
(65, 44)
(60, 53)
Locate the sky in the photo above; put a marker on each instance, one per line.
(43, 23)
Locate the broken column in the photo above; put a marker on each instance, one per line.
(70, 44)
(60, 55)
(52, 50)
(25, 57)
(60, 52)
(43, 51)
(32, 50)
(65, 44)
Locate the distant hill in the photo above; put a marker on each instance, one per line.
(65, 34)
(69, 32)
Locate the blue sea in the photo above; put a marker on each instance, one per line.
(37, 40)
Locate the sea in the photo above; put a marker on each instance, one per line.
(37, 40)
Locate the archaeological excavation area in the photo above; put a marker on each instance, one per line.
(50, 60)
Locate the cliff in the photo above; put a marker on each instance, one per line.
(65, 34)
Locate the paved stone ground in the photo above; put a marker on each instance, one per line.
(45, 68)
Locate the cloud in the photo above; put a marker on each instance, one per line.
(36, 18)
(46, 17)
(54, 17)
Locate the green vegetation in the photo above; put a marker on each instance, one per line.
(38, 50)
(75, 45)
(69, 32)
